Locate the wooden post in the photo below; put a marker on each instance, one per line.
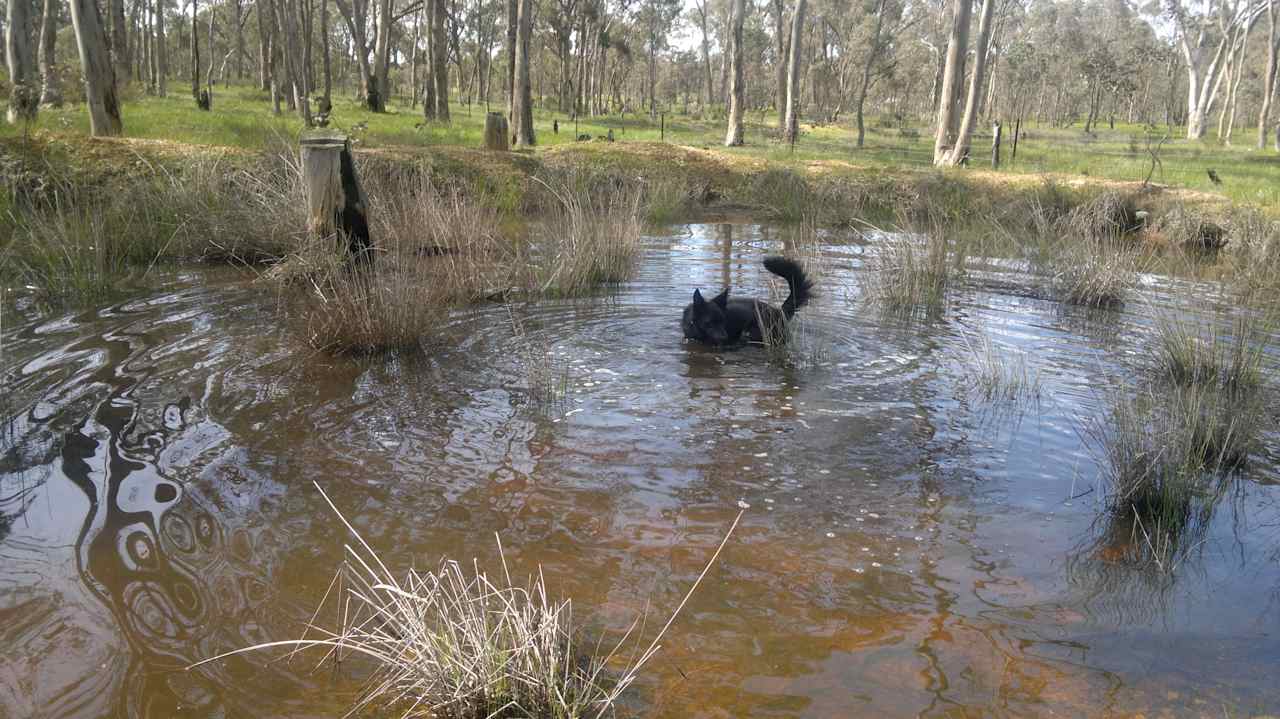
(336, 204)
(995, 146)
(662, 132)
(496, 133)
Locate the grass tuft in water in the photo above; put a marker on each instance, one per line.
(912, 271)
(1000, 375)
(592, 236)
(1170, 453)
(1205, 352)
(547, 379)
(456, 642)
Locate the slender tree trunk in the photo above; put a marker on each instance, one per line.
(701, 8)
(382, 51)
(209, 74)
(161, 50)
(793, 75)
(737, 96)
(1269, 77)
(429, 103)
(238, 6)
(356, 14)
(780, 66)
(195, 49)
(99, 76)
(325, 56)
(523, 111)
(291, 51)
(873, 56)
(264, 45)
(960, 152)
(50, 88)
(440, 59)
(952, 80)
(24, 93)
(119, 42)
(512, 23)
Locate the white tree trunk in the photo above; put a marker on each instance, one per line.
(50, 87)
(960, 151)
(440, 59)
(952, 79)
(737, 96)
(791, 123)
(382, 52)
(24, 95)
(522, 105)
(99, 76)
(1269, 77)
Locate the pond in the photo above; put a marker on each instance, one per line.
(909, 547)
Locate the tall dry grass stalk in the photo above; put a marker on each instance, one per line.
(1213, 353)
(77, 244)
(591, 236)
(1084, 253)
(547, 379)
(913, 270)
(434, 249)
(999, 374)
(455, 642)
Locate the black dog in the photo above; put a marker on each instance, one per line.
(723, 321)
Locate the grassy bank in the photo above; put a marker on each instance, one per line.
(241, 117)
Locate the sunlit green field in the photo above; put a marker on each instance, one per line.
(242, 117)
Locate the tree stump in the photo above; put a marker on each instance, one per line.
(336, 204)
(496, 132)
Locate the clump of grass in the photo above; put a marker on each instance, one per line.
(433, 249)
(1107, 217)
(1191, 231)
(77, 244)
(912, 271)
(666, 199)
(1168, 457)
(997, 375)
(456, 642)
(1093, 273)
(590, 238)
(547, 380)
(1255, 256)
(1192, 352)
(781, 193)
(68, 254)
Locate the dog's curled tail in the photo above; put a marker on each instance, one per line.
(800, 285)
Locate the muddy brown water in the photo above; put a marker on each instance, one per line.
(909, 548)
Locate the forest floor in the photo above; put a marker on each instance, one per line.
(241, 118)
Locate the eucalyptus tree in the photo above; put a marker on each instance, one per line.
(952, 143)
(1207, 35)
(99, 74)
(50, 87)
(24, 93)
(791, 121)
(1269, 76)
(737, 95)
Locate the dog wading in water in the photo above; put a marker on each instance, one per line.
(723, 321)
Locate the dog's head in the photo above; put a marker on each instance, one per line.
(704, 320)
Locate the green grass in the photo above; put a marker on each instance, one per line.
(241, 117)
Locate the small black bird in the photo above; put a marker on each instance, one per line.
(1213, 177)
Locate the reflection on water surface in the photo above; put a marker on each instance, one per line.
(910, 548)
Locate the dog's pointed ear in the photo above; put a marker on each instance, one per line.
(697, 298)
(722, 299)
